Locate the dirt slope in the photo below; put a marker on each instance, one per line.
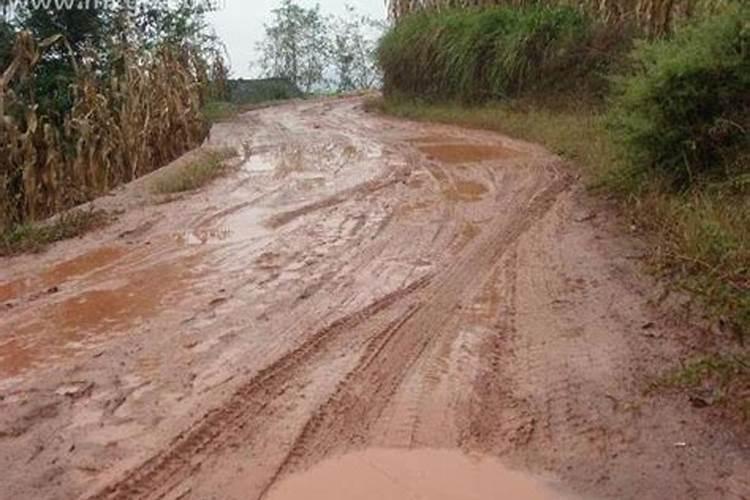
(358, 282)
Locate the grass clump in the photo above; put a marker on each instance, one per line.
(720, 380)
(684, 108)
(192, 175)
(219, 111)
(480, 54)
(36, 237)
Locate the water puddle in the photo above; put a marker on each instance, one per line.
(430, 139)
(65, 271)
(243, 225)
(466, 191)
(412, 475)
(72, 324)
(11, 290)
(466, 153)
(259, 163)
(84, 264)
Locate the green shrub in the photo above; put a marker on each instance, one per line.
(479, 54)
(684, 108)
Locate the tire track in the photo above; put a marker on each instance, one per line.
(160, 474)
(345, 420)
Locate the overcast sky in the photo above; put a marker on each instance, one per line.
(240, 25)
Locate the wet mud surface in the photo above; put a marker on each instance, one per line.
(412, 475)
(414, 307)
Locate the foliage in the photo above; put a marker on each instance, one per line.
(113, 93)
(354, 52)
(684, 109)
(7, 35)
(654, 17)
(316, 52)
(121, 125)
(296, 45)
(244, 92)
(473, 55)
(719, 379)
(216, 111)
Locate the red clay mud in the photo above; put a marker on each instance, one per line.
(411, 475)
(358, 293)
(454, 154)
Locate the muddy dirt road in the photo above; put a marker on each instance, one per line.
(357, 285)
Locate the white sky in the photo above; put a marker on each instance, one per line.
(240, 25)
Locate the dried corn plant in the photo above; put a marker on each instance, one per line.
(655, 17)
(119, 127)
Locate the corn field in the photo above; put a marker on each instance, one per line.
(655, 17)
(120, 126)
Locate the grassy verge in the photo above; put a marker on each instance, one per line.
(219, 111)
(197, 173)
(28, 238)
(578, 135)
(225, 111)
(700, 237)
(715, 380)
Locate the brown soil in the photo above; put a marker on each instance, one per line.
(357, 286)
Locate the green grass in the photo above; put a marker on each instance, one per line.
(476, 54)
(192, 175)
(720, 380)
(219, 111)
(36, 237)
(576, 131)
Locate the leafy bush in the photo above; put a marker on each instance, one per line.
(478, 54)
(684, 109)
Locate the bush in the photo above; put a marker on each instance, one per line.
(480, 54)
(684, 108)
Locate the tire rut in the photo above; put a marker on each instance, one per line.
(344, 421)
(160, 474)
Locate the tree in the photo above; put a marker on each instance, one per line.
(157, 22)
(296, 45)
(354, 46)
(316, 51)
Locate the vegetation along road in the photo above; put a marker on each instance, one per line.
(352, 282)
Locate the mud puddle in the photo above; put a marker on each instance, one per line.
(260, 163)
(455, 154)
(69, 326)
(63, 272)
(466, 191)
(412, 475)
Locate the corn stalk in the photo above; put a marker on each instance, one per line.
(120, 127)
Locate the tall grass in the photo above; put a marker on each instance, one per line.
(121, 125)
(480, 54)
(655, 17)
